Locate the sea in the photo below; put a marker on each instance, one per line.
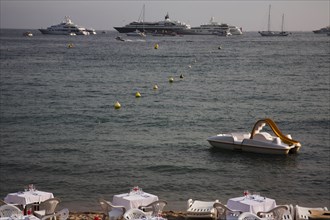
(61, 132)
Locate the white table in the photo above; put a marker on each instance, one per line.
(25, 217)
(28, 197)
(133, 200)
(250, 204)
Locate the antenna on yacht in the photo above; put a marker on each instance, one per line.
(167, 16)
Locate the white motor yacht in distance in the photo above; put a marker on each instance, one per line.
(213, 28)
(66, 27)
(257, 141)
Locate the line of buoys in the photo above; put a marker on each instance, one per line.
(155, 87)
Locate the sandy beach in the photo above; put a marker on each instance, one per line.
(170, 215)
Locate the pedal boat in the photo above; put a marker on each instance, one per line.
(257, 141)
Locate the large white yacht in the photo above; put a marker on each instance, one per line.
(214, 28)
(66, 27)
(165, 27)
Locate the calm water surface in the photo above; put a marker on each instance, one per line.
(59, 128)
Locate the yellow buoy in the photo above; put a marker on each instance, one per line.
(171, 79)
(70, 45)
(155, 87)
(137, 95)
(156, 46)
(117, 105)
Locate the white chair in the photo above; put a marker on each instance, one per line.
(112, 211)
(201, 209)
(47, 207)
(10, 211)
(249, 216)
(223, 212)
(302, 213)
(280, 212)
(135, 214)
(155, 208)
(60, 215)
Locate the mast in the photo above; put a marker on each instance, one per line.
(282, 22)
(269, 18)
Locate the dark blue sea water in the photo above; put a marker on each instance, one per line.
(60, 131)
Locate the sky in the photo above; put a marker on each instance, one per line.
(306, 15)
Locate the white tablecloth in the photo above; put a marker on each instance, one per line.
(25, 217)
(28, 197)
(134, 200)
(251, 205)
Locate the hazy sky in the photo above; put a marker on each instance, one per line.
(104, 15)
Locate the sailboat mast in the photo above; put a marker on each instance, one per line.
(269, 18)
(282, 22)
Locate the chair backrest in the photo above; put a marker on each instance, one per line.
(2, 202)
(248, 216)
(224, 212)
(303, 213)
(105, 205)
(276, 213)
(49, 205)
(60, 215)
(157, 207)
(10, 211)
(134, 214)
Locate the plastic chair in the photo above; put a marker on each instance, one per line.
(135, 214)
(201, 209)
(10, 211)
(249, 216)
(223, 212)
(60, 215)
(112, 211)
(47, 207)
(303, 213)
(156, 207)
(276, 213)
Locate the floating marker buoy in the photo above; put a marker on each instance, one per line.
(171, 79)
(156, 46)
(155, 87)
(70, 45)
(117, 105)
(181, 76)
(137, 95)
(189, 66)
(219, 48)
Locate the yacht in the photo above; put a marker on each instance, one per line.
(214, 28)
(66, 27)
(167, 26)
(270, 33)
(325, 30)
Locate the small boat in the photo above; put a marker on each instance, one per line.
(28, 34)
(136, 33)
(257, 141)
(119, 38)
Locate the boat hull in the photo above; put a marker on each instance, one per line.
(261, 149)
(273, 34)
